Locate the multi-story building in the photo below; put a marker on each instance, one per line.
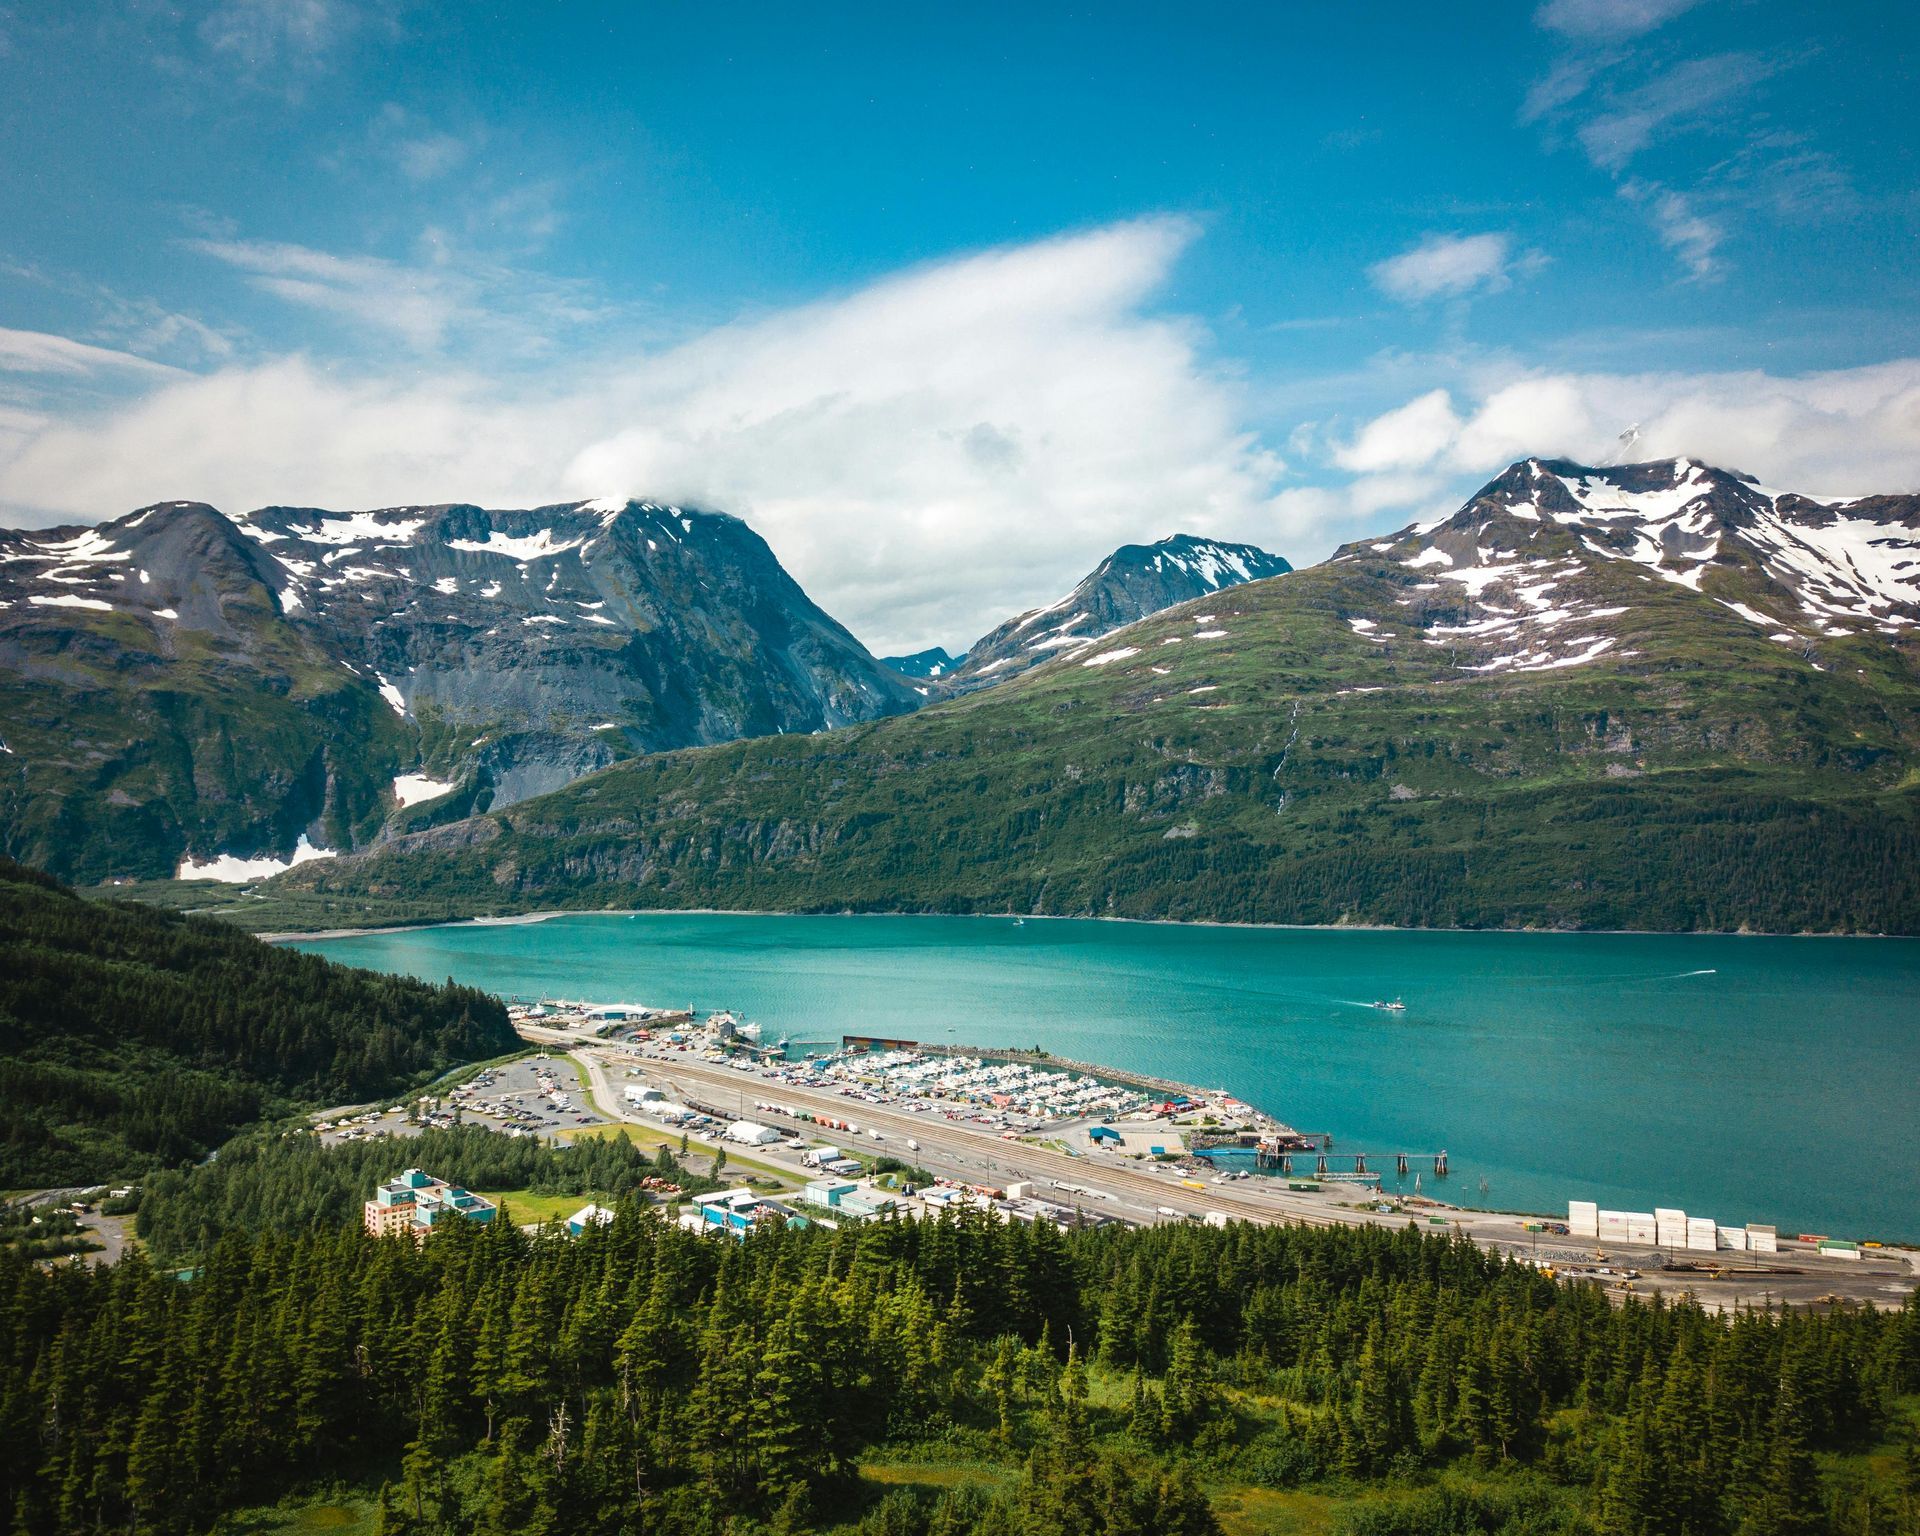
(414, 1201)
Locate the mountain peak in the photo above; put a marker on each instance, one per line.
(1132, 582)
(1803, 570)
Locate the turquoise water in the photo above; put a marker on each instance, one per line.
(1749, 1079)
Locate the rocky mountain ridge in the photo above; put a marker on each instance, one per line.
(1509, 582)
(1133, 582)
(481, 655)
(1656, 696)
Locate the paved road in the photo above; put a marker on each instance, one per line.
(978, 1156)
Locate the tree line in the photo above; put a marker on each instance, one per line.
(645, 1379)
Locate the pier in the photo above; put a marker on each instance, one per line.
(1277, 1155)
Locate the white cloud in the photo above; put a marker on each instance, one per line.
(1689, 234)
(1415, 434)
(37, 352)
(1608, 20)
(926, 455)
(1586, 93)
(1451, 267)
(1849, 432)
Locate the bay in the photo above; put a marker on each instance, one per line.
(1745, 1078)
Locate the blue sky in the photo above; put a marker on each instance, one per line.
(948, 300)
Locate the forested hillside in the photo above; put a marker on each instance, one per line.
(1502, 721)
(132, 1039)
(275, 1182)
(1002, 1380)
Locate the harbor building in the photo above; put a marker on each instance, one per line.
(588, 1216)
(414, 1201)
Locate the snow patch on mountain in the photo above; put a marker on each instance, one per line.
(413, 788)
(233, 870)
(534, 546)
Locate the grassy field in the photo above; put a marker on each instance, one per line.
(525, 1207)
(339, 1513)
(1248, 1511)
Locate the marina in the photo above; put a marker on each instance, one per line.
(1763, 1079)
(886, 1145)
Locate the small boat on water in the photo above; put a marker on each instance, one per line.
(1396, 1006)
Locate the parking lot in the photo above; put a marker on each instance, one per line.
(532, 1096)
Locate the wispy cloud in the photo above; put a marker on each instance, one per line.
(37, 352)
(1620, 105)
(130, 323)
(418, 150)
(1687, 96)
(1452, 267)
(442, 297)
(278, 44)
(1608, 20)
(1689, 234)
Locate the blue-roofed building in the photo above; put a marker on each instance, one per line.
(413, 1201)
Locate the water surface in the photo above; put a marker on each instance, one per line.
(1748, 1079)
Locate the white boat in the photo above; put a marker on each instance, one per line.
(1396, 1006)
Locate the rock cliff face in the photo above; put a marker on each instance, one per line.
(180, 685)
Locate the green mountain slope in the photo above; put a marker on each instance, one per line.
(1555, 734)
(132, 1039)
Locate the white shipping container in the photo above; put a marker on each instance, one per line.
(1701, 1234)
(1733, 1237)
(1671, 1226)
(1643, 1229)
(1583, 1218)
(1762, 1239)
(1613, 1223)
(1840, 1253)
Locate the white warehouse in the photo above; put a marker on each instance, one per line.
(750, 1135)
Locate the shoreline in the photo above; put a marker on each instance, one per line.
(521, 919)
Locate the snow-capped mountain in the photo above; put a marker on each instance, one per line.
(934, 662)
(1132, 582)
(1514, 580)
(1651, 697)
(333, 669)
